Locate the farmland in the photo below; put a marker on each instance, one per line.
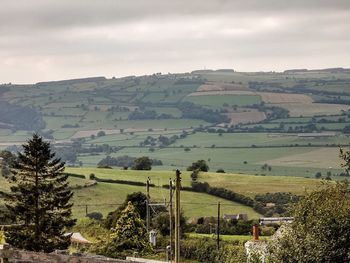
(236, 121)
(105, 197)
(249, 185)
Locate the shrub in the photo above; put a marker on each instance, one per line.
(199, 165)
(95, 215)
(101, 133)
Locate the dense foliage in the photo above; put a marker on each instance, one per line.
(227, 227)
(320, 231)
(142, 163)
(271, 204)
(129, 235)
(138, 200)
(205, 250)
(193, 111)
(8, 160)
(199, 165)
(39, 199)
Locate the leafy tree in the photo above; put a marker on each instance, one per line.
(7, 161)
(318, 175)
(101, 133)
(320, 231)
(162, 223)
(138, 199)
(39, 199)
(200, 165)
(142, 163)
(194, 175)
(95, 215)
(129, 235)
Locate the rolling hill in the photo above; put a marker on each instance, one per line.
(236, 121)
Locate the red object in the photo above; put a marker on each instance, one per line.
(255, 232)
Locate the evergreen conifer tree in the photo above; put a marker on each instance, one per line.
(39, 199)
(129, 234)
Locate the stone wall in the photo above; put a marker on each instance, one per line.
(11, 255)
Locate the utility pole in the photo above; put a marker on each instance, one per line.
(86, 210)
(177, 216)
(218, 228)
(147, 205)
(171, 217)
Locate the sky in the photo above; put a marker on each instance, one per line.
(42, 40)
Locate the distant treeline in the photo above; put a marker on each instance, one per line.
(21, 117)
(193, 111)
(123, 161)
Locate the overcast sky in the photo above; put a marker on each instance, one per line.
(61, 39)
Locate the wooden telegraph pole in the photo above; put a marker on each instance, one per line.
(177, 216)
(147, 205)
(171, 218)
(218, 228)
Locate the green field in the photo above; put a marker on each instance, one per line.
(233, 159)
(87, 106)
(218, 101)
(249, 185)
(106, 197)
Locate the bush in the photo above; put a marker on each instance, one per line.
(101, 133)
(76, 175)
(95, 215)
(220, 171)
(142, 163)
(199, 165)
(205, 250)
(104, 166)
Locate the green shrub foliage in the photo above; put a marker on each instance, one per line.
(128, 236)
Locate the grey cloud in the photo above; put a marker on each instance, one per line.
(47, 39)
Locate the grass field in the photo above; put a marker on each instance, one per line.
(106, 197)
(249, 185)
(307, 110)
(229, 159)
(105, 104)
(326, 158)
(217, 101)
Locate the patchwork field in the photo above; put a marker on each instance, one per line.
(146, 116)
(106, 197)
(309, 110)
(279, 98)
(216, 86)
(319, 158)
(246, 117)
(246, 184)
(218, 101)
(251, 185)
(221, 92)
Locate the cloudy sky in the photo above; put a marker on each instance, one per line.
(60, 39)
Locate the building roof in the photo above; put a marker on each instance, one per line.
(78, 238)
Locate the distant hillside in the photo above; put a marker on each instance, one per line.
(178, 118)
